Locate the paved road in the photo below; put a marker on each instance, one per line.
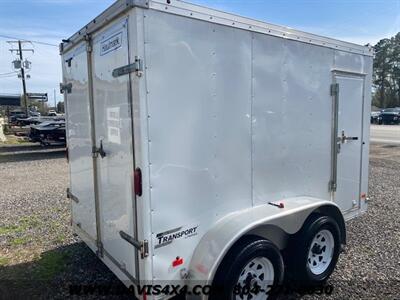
(389, 134)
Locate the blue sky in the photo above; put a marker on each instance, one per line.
(359, 21)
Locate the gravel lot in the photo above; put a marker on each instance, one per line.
(40, 258)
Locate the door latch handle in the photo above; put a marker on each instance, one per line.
(99, 151)
(345, 138)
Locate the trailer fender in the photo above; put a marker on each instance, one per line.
(219, 239)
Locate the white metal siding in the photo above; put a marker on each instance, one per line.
(199, 94)
(292, 115)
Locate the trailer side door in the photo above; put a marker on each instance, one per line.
(350, 99)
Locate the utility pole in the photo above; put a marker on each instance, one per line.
(23, 79)
(22, 67)
(55, 101)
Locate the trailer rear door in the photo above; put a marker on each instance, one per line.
(349, 139)
(113, 131)
(79, 128)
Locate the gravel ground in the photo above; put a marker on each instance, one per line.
(40, 257)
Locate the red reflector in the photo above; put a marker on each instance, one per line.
(363, 195)
(137, 181)
(178, 261)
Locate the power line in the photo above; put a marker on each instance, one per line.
(36, 42)
(8, 76)
(8, 73)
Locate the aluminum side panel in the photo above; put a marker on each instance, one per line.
(79, 139)
(199, 94)
(292, 114)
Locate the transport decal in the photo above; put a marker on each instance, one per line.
(167, 237)
(112, 43)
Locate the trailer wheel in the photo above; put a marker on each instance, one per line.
(314, 251)
(251, 269)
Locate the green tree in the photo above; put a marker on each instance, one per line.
(386, 77)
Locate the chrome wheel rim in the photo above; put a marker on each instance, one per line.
(321, 252)
(257, 275)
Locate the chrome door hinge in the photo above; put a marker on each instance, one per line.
(95, 152)
(332, 186)
(100, 249)
(142, 246)
(88, 40)
(137, 67)
(65, 87)
(334, 89)
(71, 196)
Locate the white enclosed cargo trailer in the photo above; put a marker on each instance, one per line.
(209, 148)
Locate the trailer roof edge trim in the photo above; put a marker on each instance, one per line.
(112, 12)
(195, 11)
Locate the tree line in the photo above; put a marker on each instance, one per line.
(386, 77)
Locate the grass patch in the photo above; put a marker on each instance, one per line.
(4, 230)
(60, 238)
(23, 224)
(19, 241)
(4, 261)
(49, 265)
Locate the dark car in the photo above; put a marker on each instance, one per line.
(376, 117)
(28, 121)
(14, 115)
(47, 133)
(391, 116)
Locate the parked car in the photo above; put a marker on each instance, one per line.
(28, 121)
(34, 114)
(390, 116)
(376, 117)
(49, 132)
(14, 115)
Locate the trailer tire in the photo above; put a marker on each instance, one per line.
(314, 252)
(257, 257)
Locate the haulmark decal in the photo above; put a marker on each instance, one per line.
(112, 43)
(167, 237)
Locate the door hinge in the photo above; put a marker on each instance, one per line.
(332, 186)
(142, 246)
(95, 152)
(334, 89)
(65, 87)
(71, 196)
(137, 67)
(88, 40)
(69, 62)
(100, 249)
